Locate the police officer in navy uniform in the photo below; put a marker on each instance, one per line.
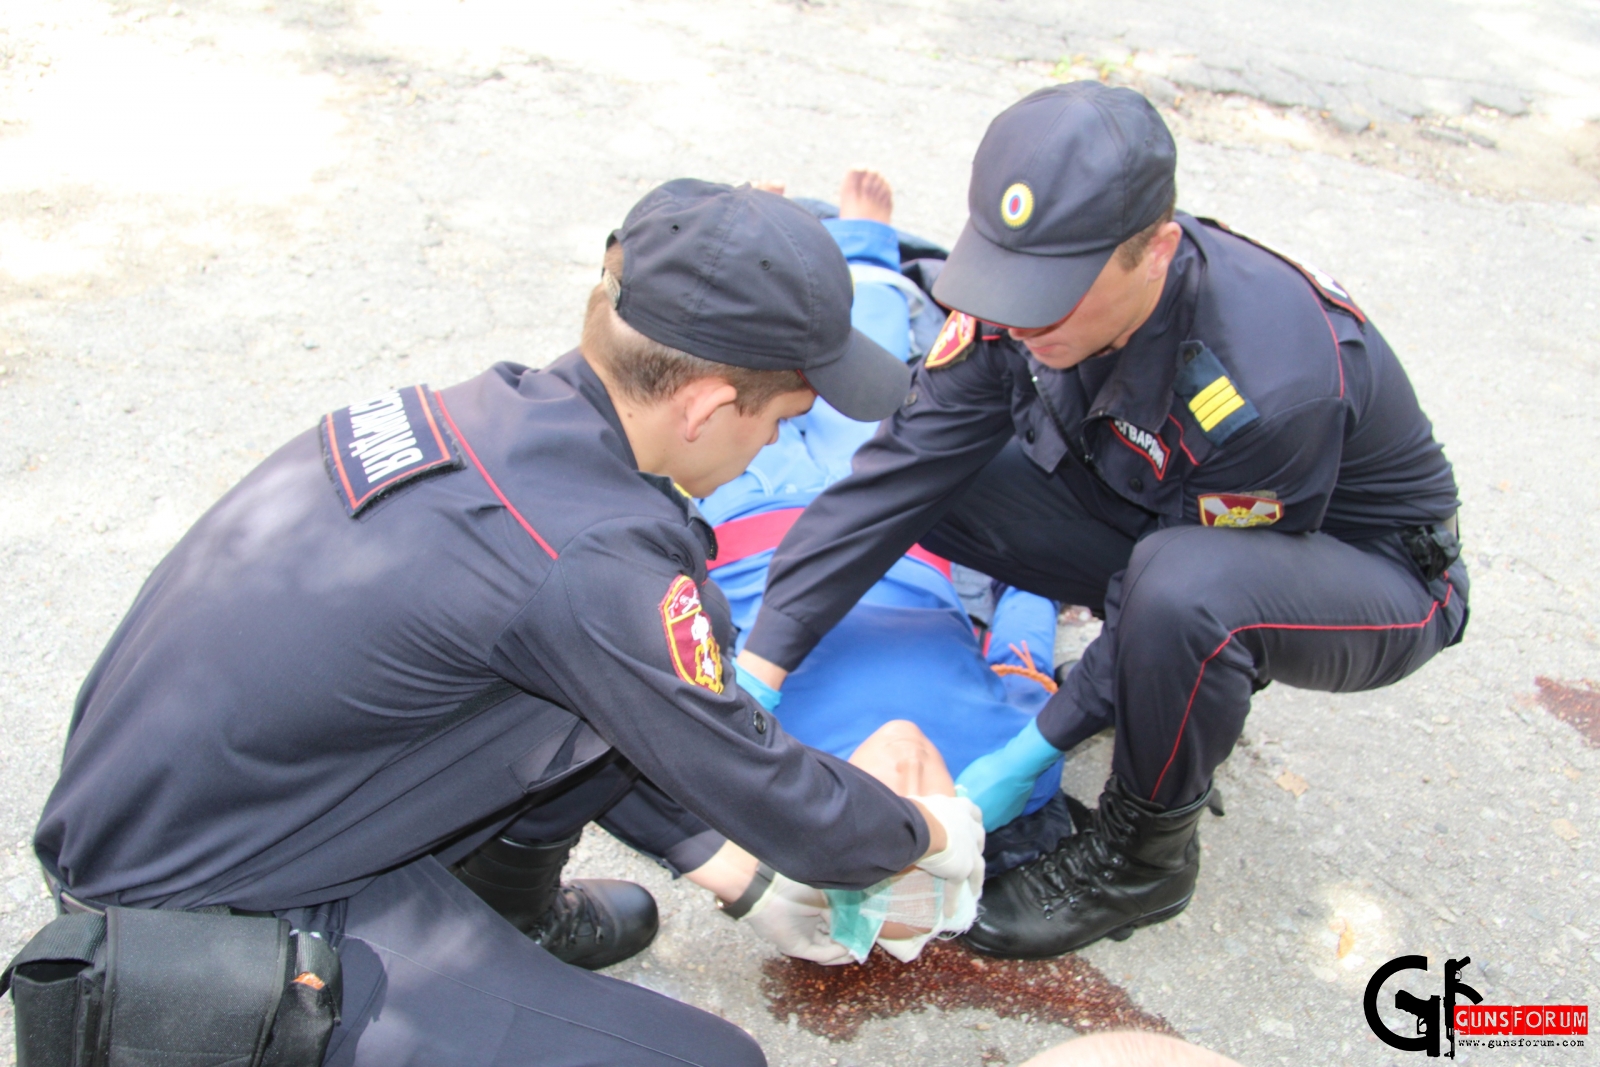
(410, 655)
(1205, 443)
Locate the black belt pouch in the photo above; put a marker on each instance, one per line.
(148, 988)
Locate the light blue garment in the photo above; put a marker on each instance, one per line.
(1001, 782)
(907, 650)
(765, 695)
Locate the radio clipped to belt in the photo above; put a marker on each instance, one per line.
(136, 988)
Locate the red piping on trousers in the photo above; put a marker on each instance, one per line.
(1437, 604)
(495, 489)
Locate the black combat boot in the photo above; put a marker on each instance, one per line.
(1132, 865)
(588, 922)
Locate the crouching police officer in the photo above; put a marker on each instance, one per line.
(1181, 429)
(424, 643)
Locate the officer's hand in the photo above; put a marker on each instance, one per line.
(795, 918)
(961, 859)
(1000, 782)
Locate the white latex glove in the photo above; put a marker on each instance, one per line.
(962, 858)
(795, 918)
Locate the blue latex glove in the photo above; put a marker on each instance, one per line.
(1000, 782)
(765, 695)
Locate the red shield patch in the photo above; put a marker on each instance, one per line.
(1239, 510)
(953, 341)
(696, 656)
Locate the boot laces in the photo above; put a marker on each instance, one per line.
(571, 917)
(1080, 863)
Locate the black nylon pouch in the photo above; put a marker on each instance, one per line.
(148, 988)
(186, 987)
(49, 980)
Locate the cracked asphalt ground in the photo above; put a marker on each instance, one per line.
(219, 220)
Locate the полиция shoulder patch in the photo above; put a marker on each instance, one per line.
(380, 444)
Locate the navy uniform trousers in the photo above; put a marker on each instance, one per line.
(1196, 618)
(433, 977)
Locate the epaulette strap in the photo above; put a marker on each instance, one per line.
(953, 343)
(1324, 283)
(1215, 403)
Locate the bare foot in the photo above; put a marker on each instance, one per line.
(866, 194)
(779, 187)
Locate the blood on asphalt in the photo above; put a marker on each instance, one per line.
(835, 1001)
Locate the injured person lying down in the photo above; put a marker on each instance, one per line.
(910, 652)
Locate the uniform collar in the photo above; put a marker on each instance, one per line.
(1135, 382)
(573, 369)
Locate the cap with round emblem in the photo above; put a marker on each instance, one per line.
(1061, 178)
(745, 277)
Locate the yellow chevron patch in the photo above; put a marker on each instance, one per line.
(1215, 402)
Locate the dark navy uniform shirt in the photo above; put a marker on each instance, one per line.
(300, 699)
(1256, 394)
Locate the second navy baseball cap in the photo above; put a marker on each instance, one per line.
(748, 278)
(1061, 178)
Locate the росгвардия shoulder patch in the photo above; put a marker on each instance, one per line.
(380, 444)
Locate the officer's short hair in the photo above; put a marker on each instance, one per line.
(1131, 251)
(648, 371)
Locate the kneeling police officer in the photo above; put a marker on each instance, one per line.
(1152, 416)
(393, 672)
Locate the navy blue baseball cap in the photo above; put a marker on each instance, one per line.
(748, 278)
(1061, 178)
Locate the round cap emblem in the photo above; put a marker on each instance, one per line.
(1016, 206)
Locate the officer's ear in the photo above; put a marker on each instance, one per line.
(700, 400)
(1163, 246)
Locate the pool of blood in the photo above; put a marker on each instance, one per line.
(836, 1001)
(1576, 704)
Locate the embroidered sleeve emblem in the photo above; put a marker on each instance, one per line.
(954, 339)
(1239, 511)
(377, 445)
(696, 656)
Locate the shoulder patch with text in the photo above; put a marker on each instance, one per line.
(1215, 402)
(953, 343)
(1147, 444)
(1239, 511)
(696, 656)
(378, 445)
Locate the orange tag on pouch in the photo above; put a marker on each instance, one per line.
(311, 981)
(1239, 511)
(954, 339)
(696, 656)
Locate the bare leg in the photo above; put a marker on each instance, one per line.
(771, 185)
(1128, 1049)
(900, 756)
(866, 194)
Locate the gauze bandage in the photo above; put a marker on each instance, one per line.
(916, 899)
